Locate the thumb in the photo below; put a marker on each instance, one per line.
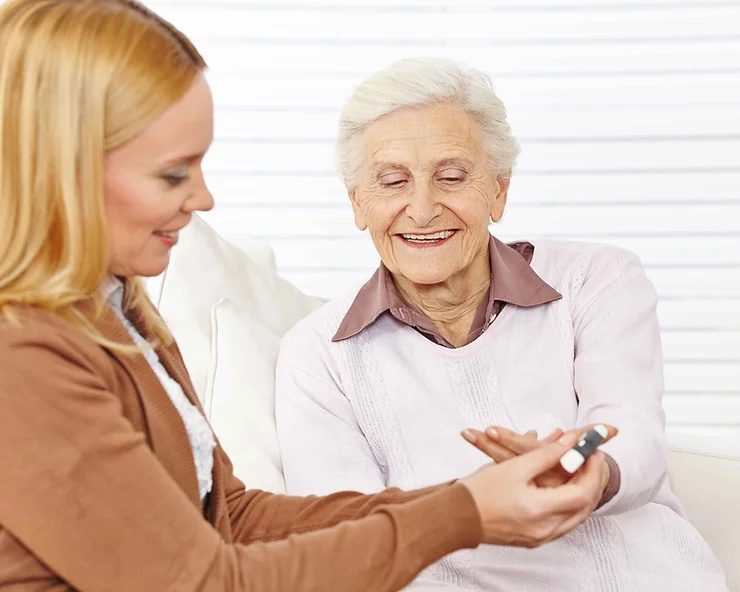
(541, 460)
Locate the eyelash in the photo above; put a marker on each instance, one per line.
(400, 182)
(174, 180)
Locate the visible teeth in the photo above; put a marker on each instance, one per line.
(167, 234)
(423, 238)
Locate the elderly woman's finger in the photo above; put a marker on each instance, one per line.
(487, 446)
(516, 443)
(611, 431)
(541, 460)
(554, 436)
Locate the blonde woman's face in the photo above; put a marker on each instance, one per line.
(154, 183)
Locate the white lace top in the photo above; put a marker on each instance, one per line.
(202, 441)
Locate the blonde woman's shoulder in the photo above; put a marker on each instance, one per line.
(31, 337)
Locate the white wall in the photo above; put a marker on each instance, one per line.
(628, 113)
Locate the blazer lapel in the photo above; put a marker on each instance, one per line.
(167, 434)
(217, 511)
(172, 360)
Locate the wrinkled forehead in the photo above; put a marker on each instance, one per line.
(423, 137)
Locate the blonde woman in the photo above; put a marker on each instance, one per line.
(111, 477)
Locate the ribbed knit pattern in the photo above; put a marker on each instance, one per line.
(386, 407)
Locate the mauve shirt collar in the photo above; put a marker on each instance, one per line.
(513, 281)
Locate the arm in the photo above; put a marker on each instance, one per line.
(260, 516)
(618, 374)
(322, 446)
(86, 496)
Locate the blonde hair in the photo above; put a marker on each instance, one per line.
(415, 82)
(77, 78)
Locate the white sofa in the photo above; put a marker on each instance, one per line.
(228, 309)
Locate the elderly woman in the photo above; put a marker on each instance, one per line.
(456, 328)
(111, 477)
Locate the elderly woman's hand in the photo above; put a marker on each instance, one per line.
(515, 510)
(502, 444)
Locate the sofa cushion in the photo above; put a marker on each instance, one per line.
(705, 475)
(204, 269)
(240, 401)
(228, 313)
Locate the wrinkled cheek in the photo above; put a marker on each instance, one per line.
(382, 241)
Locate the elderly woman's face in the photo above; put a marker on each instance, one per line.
(426, 192)
(154, 183)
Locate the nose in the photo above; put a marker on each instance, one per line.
(200, 199)
(423, 207)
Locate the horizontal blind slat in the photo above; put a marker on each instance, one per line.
(625, 109)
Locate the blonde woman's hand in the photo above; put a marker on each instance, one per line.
(516, 511)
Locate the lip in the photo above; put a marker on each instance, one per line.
(178, 229)
(429, 245)
(170, 241)
(167, 240)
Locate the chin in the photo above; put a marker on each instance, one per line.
(426, 277)
(152, 268)
(427, 281)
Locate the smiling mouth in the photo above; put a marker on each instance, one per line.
(172, 234)
(435, 237)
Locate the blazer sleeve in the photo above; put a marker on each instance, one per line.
(262, 516)
(84, 493)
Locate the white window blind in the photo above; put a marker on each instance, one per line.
(628, 113)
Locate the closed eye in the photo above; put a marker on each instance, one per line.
(174, 180)
(451, 175)
(176, 176)
(392, 179)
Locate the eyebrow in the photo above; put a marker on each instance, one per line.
(455, 160)
(180, 159)
(452, 160)
(378, 166)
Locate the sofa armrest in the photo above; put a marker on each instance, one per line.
(705, 475)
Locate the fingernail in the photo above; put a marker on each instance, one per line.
(491, 433)
(566, 439)
(469, 436)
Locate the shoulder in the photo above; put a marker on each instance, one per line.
(573, 264)
(36, 339)
(584, 272)
(311, 337)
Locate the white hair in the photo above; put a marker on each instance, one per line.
(415, 82)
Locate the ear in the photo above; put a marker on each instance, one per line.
(499, 202)
(360, 221)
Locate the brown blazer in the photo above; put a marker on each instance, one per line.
(98, 490)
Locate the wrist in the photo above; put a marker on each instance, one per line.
(607, 474)
(613, 482)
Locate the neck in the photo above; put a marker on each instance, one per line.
(451, 305)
